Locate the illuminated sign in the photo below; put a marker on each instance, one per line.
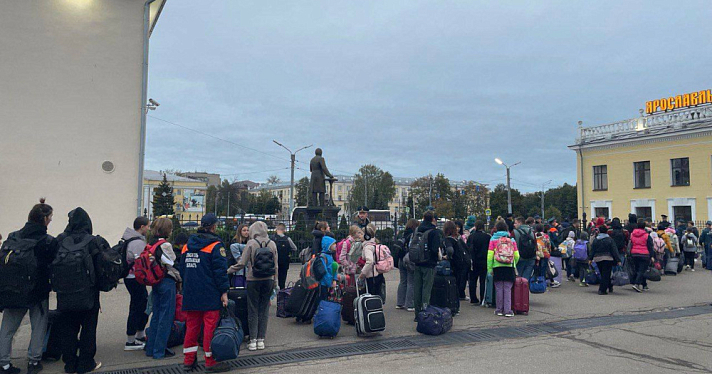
(679, 101)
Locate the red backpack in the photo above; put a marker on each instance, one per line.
(147, 267)
(343, 245)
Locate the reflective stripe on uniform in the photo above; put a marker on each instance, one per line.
(208, 354)
(190, 349)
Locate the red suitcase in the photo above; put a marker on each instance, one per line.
(520, 296)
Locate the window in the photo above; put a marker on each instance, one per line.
(680, 170)
(682, 212)
(600, 178)
(642, 174)
(601, 212)
(339, 197)
(644, 212)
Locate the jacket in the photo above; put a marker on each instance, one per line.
(316, 242)
(691, 238)
(641, 244)
(706, 238)
(345, 260)
(456, 256)
(327, 258)
(258, 236)
(554, 236)
(478, 244)
(604, 246)
(285, 246)
(434, 240)
(361, 224)
(666, 238)
(491, 263)
(236, 250)
(632, 222)
(45, 251)
(203, 269)
(524, 230)
(134, 248)
(369, 269)
(168, 259)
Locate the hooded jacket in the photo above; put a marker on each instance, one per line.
(641, 244)
(203, 268)
(327, 259)
(525, 230)
(45, 251)
(134, 248)
(604, 245)
(686, 239)
(632, 222)
(258, 237)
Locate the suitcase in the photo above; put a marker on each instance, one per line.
(282, 300)
(239, 296)
(368, 313)
(520, 296)
(308, 306)
(347, 304)
(434, 321)
(671, 266)
(53, 341)
(445, 294)
(296, 297)
(327, 320)
(489, 299)
(680, 263)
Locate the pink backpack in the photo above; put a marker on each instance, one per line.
(504, 251)
(659, 245)
(383, 259)
(342, 246)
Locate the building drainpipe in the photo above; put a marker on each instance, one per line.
(144, 98)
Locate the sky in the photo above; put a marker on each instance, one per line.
(414, 87)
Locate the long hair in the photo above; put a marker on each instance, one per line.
(238, 238)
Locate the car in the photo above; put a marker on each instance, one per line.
(190, 224)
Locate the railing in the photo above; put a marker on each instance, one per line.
(675, 119)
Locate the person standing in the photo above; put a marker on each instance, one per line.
(37, 301)
(478, 245)
(604, 252)
(405, 286)
(285, 246)
(503, 273)
(706, 242)
(135, 242)
(261, 260)
(373, 278)
(642, 254)
(354, 240)
(164, 293)
(664, 222)
(689, 246)
(424, 274)
(526, 244)
(460, 258)
(239, 241)
(205, 284)
(362, 220)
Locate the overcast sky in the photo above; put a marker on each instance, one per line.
(414, 87)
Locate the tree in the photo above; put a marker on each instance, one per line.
(163, 199)
(436, 189)
(301, 192)
(273, 179)
(210, 199)
(498, 202)
(264, 203)
(373, 187)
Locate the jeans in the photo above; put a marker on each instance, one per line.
(525, 267)
(164, 311)
(405, 286)
(71, 324)
(503, 295)
(605, 268)
(197, 320)
(478, 273)
(640, 264)
(571, 270)
(137, 307)
(11, 321)
(690, 259)
(375, 286)
(258, 294)
(423, 278)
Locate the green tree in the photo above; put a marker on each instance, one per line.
(273, 179)
(436, 189)
(210, 199)
(301, 191)
(163, 199)
(264, 203)
(498, 202)
(373, 187)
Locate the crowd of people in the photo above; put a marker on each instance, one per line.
(199, 269)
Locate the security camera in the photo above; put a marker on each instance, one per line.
(154, 102)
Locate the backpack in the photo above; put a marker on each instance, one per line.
(618, 237)
(122, 248)
(341, 246)
(283, 247)
(542, 246)
(147, 267)
(461, 255)
(312, 272)
(18, 271)
(527, 245)
(355, 253)
(563, 250)
(383, 259)
(659, 245)
(504, 251)
(418, 248)
(581, 250)
(263, 264)
(689, 243)
(110, 266)
(72, 275)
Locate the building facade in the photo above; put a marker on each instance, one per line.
(72, 109)
(210, 178)
(188, 195)
(655, 164)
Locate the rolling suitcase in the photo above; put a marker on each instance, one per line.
(489, 299)
(520, 296)
(368, 313)
(347, 304)
(239, 296)
(309, 305)
(444, 293)
(327, 320)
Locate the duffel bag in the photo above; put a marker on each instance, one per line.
(227, 337)
(434, 321)
(620, 277)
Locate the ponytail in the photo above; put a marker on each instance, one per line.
(39, 212)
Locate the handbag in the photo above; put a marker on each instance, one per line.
(620, 277)
(551, 271)
(593, 276)
(652, 274)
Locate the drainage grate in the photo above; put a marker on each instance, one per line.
(421, 341)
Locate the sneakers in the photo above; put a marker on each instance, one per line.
(602, 293)
(635, 287)
(96, 367)
(169, 353)
(555, 284)
(499, 313)
(217, 368)
(190, 367)
(260, 344)
(135, 346)
(400, 307)
(645, 288)
(411, 309)
(10, 370)
(572, 278)
(252, 346)
(581, 284)
(509, 315)
(141, 339)
(692, 269)
(33, 368)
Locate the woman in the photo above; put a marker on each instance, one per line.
(503, 274)
(355, 236)
(405, 286)
(461, 229)
(373, 279)
(642, 254)
(478, 244)
(259, 288)
(242, 236)
(460, 261)
(163, 295)
(604, 252)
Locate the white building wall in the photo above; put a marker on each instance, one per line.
(70, 99)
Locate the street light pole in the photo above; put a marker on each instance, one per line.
(430, 191)
(509, 187)
(542, 198)
(292, 156)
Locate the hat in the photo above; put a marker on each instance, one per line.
(208, 220)
(362, 208)
(572, 234)
(470, 223)
(709, 223)
(551, 220)
(326, 242)
(536, 216)
(664, 216)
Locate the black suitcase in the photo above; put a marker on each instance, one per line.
(444, 293)
(296, 298)
(53, 339)
(309, 306)
(368, 313)
(239, 296)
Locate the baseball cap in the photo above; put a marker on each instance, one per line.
(208, 220)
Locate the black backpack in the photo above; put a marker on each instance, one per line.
(122, 249)
(418, 252)
(527, 245)
(72, 275)
(18, 271)
(110, 266)
(263, 265)
(618, 237)
(283, 247)
(461, 255)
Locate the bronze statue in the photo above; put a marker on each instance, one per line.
(318, 169)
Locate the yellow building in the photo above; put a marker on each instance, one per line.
(653, 165)
(188, 195)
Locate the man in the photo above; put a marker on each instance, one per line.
(510, 222)
(424, 274)
(706, 242)
(362, 220)
(575, 227)
(680, 230)
(317, 167)
(537, 220)
(478, 244)
(554, 229)
(285, 246)
(205, 285)
(526, 244)
(691, 226)
(664, 222)
(135, 242)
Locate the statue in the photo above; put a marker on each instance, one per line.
(318, 169)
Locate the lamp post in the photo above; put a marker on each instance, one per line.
(542, 197)
(292, 156)
(509, 188)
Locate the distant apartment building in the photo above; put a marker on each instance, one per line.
(188, 195)
(210, 178)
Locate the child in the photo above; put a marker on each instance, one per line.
(502, 272)
(582, 265)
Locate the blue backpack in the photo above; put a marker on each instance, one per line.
(434, 321)
(227, 337)
(443, 268)
(327, 320)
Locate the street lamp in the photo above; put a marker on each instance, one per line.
(509, 189)
(291, 182)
